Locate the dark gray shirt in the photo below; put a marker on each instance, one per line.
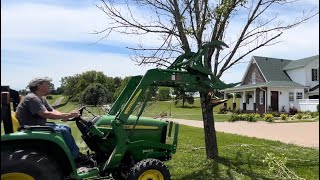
(29, 107)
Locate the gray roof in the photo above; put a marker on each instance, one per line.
(300, 62)
(272, 68)
(265, 84)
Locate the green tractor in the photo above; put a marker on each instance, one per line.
(121, 145)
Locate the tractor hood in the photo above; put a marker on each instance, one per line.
(143, 122)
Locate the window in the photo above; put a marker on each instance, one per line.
(253, 78)
(314, 74)
(299, 95)
(291, 96)
(261, 97)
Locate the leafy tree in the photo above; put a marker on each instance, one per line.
(73, 86)
(186, 25)
(123, 84)
(95, 94)
(52, 89)
(184, 96)
(23, 92)
(117, 82)
(163, 94)
(59, 90)
(190, 99)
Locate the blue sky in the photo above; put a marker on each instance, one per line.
(52, 38)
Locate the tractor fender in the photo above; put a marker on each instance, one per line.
(47, 142)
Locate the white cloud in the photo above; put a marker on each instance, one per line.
(48, 22)
(25, 24)
(57, 63)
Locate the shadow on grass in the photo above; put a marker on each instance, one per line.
(188, 107)
(227, 169)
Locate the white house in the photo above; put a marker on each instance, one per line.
(277, 84)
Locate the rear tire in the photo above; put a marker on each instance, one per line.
(28, 164)
(149, 169)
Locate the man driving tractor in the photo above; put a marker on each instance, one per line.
(34, 110)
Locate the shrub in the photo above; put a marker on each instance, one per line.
(252, 118)
(306, 116)
(256, 115)
(222, 110)
(268, 117)
(315, 114)
(49, 97)
(293, 110)
(234, 117)
(298, 116)
(95, 94)
(237, 111)
(274, 113)
(243, 117)
(284, 116)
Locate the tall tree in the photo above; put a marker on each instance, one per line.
(184, 25)
(73, 86)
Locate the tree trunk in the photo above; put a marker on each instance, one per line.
(208, 124)
(183, 101)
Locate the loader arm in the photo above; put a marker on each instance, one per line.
(189, 73)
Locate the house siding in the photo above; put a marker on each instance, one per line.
(312, 65)
(297, 75)
(259, 76)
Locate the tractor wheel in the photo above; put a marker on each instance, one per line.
(28, 165)
(149, 169)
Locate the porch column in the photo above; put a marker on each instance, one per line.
(268, 99)
(225, 97)
(244, 103)
(254, 101)
(234, 105)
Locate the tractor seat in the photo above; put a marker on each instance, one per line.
(16, 125)
(15, 122)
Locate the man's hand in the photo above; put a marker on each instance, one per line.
(73, 114)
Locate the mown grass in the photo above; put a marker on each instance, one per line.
(158, 108)
(240, 157)
(54, 98)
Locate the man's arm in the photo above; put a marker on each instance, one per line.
(51, 113)
(56, 114)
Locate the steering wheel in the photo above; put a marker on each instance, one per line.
(79, 117)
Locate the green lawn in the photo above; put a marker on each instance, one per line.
(54, 98)
(155, 109)
(192, 112)
(241, 157)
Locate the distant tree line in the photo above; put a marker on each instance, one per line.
(95, 88)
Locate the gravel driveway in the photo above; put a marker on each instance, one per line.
(302, 134)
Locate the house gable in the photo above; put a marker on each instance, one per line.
(300, 70)
(253, 68)
(300, 63)
(271, 68)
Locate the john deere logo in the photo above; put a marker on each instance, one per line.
(147, 150)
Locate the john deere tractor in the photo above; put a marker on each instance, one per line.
(121, 145)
